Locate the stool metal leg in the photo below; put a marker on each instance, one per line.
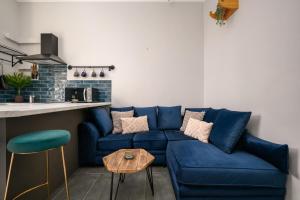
(47, 171)
(41, 185)
(9, 173)
(65, 172)
(46, 183)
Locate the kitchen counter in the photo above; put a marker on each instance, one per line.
(8, 110)
(20, 118)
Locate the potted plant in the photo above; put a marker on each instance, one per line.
(220, 13)
(18, 81)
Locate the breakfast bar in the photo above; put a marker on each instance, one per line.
(29, 170)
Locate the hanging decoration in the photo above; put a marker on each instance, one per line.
(224, 11)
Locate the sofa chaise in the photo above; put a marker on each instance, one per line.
(240, 167)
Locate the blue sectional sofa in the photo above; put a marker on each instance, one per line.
(234, 165)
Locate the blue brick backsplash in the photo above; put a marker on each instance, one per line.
(103, 87)
(51, 86)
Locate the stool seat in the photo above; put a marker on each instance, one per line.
(38, 141)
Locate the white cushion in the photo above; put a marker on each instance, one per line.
(190, 114)
(134, 124)
(116, 117)
(198, 129)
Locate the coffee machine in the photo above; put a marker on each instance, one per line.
(80, 95)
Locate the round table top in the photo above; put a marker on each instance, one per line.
(116, 162)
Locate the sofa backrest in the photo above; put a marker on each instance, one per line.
(210, 113)
(169, 118)
(102, 120)
(150, 112)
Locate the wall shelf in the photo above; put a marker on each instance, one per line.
(230, 7)
(110, 67)
(11, 52)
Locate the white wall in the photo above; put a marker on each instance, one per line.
(252, 63)
(8, 24)
(157, 48)
(8, 19)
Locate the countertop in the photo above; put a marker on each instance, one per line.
(8, 110)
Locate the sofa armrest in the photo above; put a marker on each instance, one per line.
(276, 154)
(88, 137)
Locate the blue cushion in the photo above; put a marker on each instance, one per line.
(235, 192)
(211, 115)
(228, 128)
(197, 163)
(190, 192)
(173, 135)
(169, 118)
(276, 154)
(113, 142)
(150, 140)
(38, 141)
(101, 118)
(198, 109)
(121, 109)
(150, 112)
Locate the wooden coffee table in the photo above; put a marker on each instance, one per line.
(116, 163)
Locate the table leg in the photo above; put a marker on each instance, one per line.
(150, 178)
(111, 185)
(122, 178)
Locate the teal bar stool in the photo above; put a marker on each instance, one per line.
(37, 142)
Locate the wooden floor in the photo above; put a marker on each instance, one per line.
(94, 184)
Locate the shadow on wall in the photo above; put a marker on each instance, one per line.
(294, 171)
(293, 162)
(254, 124)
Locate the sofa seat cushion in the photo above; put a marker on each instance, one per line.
(113, 142)
(177, 136)
(150, 140)
(197, 163)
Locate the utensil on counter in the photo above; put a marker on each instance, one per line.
(31, 98)
(3, 85)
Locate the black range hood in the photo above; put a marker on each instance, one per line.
(49, 52)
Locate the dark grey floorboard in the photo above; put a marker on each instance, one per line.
(94, 184)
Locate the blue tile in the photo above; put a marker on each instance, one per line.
(51, 86)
